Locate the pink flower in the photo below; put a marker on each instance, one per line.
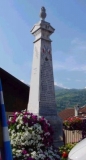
(24, 152)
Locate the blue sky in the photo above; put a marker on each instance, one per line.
(68, 17)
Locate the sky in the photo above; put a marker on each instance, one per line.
(68, 17)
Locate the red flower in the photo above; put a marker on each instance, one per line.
(64, 154)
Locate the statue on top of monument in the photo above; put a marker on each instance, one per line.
(43, 13)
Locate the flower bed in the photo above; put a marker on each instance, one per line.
(64, 150)
(73, 123)
(31, 137)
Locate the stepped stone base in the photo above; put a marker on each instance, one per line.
(48, 110)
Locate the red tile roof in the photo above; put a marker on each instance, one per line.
(66, 113)
(70, 112)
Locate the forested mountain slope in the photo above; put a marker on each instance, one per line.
(66, 98)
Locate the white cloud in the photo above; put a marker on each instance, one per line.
(79, 44)
(55, 83)
(60, 85)
(68, 64)
(78, 48)
(74, 59)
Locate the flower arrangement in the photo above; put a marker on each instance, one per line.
(65, 149)
(73, 123)
(31, 137)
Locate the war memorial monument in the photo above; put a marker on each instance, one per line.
(42, 93)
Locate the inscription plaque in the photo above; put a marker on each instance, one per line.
(47, 82)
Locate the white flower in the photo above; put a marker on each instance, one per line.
(22, 127)
(33, 154)
(26, 124)
(10, 119)
(21, 122)
(39, 137)
(16, 113)
(17, 119)
(47, 133)
(26, 137)
(28, 116)
(42, 156)
(11, 141)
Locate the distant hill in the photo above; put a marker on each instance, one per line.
(58, 88)
(67, 98)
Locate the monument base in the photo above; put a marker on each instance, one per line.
(57, 127)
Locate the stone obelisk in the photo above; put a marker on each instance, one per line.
(42, 94)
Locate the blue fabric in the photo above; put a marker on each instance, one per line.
(3, 115)
(6, 151)
(2, 110)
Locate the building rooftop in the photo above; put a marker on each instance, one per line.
(70, 112)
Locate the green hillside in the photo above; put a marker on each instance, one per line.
(66, 98)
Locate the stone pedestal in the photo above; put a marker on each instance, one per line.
(42, 94)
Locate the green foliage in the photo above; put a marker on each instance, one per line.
(66, 149)
(66, 98)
